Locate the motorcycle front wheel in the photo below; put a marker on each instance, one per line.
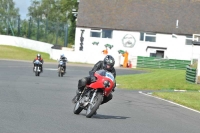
(94, 105)
(36, 72)
(59, 72)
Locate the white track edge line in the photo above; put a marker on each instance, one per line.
(170, 102)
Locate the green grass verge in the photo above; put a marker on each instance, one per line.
(164, 79)
(156, 79)
(189, 99)
(18, 53)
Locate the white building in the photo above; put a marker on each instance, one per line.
(152, 28)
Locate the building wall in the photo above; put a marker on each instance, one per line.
(77, 56)
(176, 47)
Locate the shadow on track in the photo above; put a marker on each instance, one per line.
(99, 116)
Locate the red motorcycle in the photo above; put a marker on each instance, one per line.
(93, 94)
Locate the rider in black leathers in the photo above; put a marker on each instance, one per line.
(107, 64)
(64, 59)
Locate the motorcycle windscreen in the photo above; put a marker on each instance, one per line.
(106, 74)
(101, 72)
(102, 76)
(37, 62)
(61, 62)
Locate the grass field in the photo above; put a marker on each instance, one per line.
(166, 80)
(18, 53)
(157, 79)
(11, 52)
(189, 99)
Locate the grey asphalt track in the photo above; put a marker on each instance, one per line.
(30, 104)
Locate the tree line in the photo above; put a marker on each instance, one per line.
(50, 21)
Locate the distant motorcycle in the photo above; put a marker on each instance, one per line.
(93, 94)
(61, 70)
(37, 68)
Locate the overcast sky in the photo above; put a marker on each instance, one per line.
(23, 7)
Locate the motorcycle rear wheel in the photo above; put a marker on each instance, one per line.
(77, 108)
(36, 73)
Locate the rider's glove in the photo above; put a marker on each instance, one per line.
(93, 78)
(113, 89)
(91, 73)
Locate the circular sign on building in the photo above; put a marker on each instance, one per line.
(128, 41)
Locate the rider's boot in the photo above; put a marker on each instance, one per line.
(76, 97)
(95, 113)
(81, 86)
(34, 68)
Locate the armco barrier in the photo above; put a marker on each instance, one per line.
(25, 43)
(152, 62)
(191, 74)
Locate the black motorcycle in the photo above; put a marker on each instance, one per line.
(37, 68)
(61, 70)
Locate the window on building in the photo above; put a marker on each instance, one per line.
(148, 37)
(95, 33)
(107, 33)
(101, 33)
(188, 40)
(152, 54)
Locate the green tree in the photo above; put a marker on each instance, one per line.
(69, 5)
(8, 14)
(24, 28)
(53, 16)
(35, 9)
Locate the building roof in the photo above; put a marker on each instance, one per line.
(141, 15)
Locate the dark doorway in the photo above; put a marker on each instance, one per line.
(159, 54)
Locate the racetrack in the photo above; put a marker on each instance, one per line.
(30, 104)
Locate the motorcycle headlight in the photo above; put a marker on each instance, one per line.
(106, 83)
